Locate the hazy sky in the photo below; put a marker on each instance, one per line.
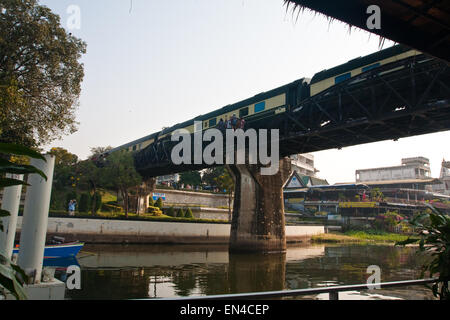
(151, 64)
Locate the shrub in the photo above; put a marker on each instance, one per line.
(109, 207)
(85, 201)
(159, 203)
(151, 203)
(180, 213)
(58, 200)
(171, 212)
(434, 232)
(96, 202)
(189, 214)
(154, 211)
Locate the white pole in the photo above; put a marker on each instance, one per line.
(10, 203)
(35, 219)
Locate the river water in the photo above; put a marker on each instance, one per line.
(167, 271)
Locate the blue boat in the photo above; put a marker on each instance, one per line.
(64, 250)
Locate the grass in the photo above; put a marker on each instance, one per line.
(333, 238)
(379, 236)
(108, 196)
(359, 237)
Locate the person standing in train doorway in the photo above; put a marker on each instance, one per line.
(242, 124)
(221, 125)
(228, 123)
(234, 121)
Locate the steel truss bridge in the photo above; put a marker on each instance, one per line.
(401, 99)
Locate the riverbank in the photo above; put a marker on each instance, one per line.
(360, 237)
(115, 231)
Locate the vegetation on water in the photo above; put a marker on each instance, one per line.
(358, 236)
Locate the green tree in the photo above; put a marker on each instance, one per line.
(192, 178)
(63, 157)
(40, 75)
(96, 202)
(226, 182)
(89, 177)
(85, 203)
(171, 212)
(189, 214)
(210, 174)
(180, 213)
(159, 203)
(64, 168)
(96, 152)
(120, 174)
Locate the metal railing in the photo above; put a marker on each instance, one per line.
(333, 291)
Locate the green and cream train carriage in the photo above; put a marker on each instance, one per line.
(281, 99)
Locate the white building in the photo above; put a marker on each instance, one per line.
(444, 177)
(411, 168)
(303, 164)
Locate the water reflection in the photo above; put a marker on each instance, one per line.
(134, 272)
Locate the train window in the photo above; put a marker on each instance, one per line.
(342, 77)
(198, 126)
(243, 112)
(134, 148)
(205, 124)
(260, 106)
(373, 66)
(212, 122)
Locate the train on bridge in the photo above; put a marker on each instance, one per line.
(281, 99)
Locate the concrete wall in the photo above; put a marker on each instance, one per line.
(199, 198)
(119, 231)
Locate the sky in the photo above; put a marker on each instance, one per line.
(153, 64)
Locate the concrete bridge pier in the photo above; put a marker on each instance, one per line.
(258, 214)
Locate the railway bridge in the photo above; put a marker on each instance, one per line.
(401, 99)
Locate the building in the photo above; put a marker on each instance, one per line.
(303, 164)
(168, 179)
(444, 178)
(417, 168)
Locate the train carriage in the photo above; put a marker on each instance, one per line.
(267, 104)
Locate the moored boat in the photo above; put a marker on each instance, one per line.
(60, 250)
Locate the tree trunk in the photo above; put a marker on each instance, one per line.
(230, 197)
(138, 198)
(94, 190)
(125, 201)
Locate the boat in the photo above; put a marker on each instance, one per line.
(57, 249)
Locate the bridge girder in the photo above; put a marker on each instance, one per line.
(377, 105)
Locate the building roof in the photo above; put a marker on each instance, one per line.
(295, 181)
